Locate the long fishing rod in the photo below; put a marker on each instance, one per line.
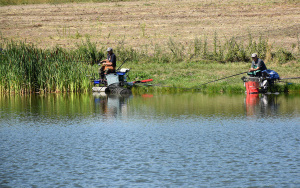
(281, 79)
(223, 78)
(121, 65)
(289, 78)
(200, 84)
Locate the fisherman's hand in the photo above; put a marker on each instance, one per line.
(101, 62)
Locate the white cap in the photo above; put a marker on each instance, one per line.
(254, 55)
(109, 49)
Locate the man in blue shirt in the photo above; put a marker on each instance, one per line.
(257, 66)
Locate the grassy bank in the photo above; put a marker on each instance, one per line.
(25, 68)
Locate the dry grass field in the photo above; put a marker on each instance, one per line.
(150, 22)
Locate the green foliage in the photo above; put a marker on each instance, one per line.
(231, 50)
(128, 54)
(290, 87)
(282, 56)
(25, 68)
(177, 50)
(160, 56)
(87, 51)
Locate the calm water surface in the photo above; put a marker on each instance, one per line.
(179, 140)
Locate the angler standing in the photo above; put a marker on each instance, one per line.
(109, 64)
(257, 66)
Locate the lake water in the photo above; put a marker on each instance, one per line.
(162, 140)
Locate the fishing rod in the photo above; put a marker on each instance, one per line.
(289, 78)
(281, 79)
(121, 65)
(200, 84)
(223, 78)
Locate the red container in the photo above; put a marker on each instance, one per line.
(252, 87)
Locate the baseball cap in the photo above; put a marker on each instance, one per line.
(254, 55)
(109, 49)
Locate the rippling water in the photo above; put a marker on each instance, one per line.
(183, 140)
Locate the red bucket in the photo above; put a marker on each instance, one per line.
(252, 87)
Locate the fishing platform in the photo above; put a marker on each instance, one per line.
(261, 84)
(116, 83)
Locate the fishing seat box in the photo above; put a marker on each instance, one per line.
(252, 85)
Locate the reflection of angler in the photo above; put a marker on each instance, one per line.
(261, 104)
(111, 104)
(251, 103)
(269, 104)
(118, 103)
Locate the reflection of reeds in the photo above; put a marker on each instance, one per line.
(213, 89)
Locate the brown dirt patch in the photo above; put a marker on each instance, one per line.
(141, 23)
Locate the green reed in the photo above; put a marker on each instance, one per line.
(25, 68)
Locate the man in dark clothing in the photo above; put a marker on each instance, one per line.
(257, 66)
(109, 64)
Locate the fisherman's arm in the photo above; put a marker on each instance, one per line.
(106, 62)
(260, 65)
(254, 69)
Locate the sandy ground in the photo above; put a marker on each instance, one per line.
(148, 22)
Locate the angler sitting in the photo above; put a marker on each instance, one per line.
(257, 66)
(109, 64)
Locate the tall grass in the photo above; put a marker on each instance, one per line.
(25, 68)
(230, 50)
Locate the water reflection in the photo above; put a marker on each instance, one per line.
(261, 105)
(164, 140)
(111, 105)
(159, 106)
